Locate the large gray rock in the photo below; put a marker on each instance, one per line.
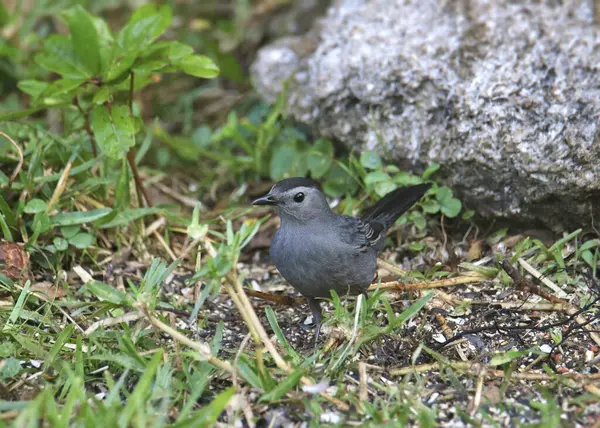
(505, 95)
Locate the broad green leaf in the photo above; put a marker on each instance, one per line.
(120, 62)
(199, 66)
(168, 51)
(320, 157)
(282, 161)
(35, 206)
(377, 177)
(125, 217)
(385, 187)
(10, 368)
(370, 160)
(430, 206)
(338, 181)
(146, 24)
(32, 87)
(105, 292)
(114, 130)
(102, 96)
(60, 244)
(82, 240)
(69, 231)
(431, 169)
(451, 207)
(84, 38)
(443, 194)
(62, 86)
(58, 55)
(80, 217)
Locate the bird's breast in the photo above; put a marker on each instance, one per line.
(315, 260)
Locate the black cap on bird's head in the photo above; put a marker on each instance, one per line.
(283, 186)
(297, 197)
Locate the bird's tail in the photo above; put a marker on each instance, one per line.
(389, 208)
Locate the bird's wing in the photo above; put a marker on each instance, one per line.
(362, 234)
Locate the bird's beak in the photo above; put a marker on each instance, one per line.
(268, 199)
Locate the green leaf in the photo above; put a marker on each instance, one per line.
(385, 187)
(507, 357)
(443, 194)
(84, 37)
(10, 368)
(114, 130)
(73, 218)
(431, 169)
(377, 177)
(283, 388)
(320, 157)
(32, 87)
(282, 161)
(69, 231)
(430, 206)
(451, 207)
(281, 337)
(467, 215)
(339, 181)
(35, 206)
(125, 217)
(62, 338)
(60, 244)
(199, 66)
(107, 293)
(82, 240)
(489, 272)
(63, 86)
(58, 55)
(145, 25)
(370, 160)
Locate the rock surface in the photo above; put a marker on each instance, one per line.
(505, 95)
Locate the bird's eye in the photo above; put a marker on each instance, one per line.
(299, 197)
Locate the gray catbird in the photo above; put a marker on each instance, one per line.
(317, 250)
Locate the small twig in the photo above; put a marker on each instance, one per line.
(15, 173)
(128, 317)
(363, 392)
(165, 245)
(474, 405)
(141, 190)
(476, 368)
(537, 275)
(391, 267)
(87, 125)
(402, 286)
(60, 186)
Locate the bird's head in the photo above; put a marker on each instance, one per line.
(296, 199)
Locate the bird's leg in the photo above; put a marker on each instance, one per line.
(315, 307)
